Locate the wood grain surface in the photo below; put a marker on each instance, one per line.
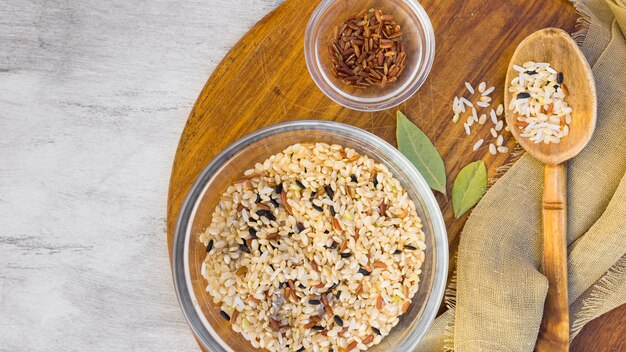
(264, 80)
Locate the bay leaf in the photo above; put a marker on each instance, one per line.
(469, 187)
(415, 146)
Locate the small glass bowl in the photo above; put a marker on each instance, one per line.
(195, 215)
(418, 37)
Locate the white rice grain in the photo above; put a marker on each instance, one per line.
(494, 133)
(488, 91)
(466, 102)
(477, 144)
(500, 110)
(494, 118)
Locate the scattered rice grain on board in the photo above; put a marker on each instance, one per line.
(455, 105)
(494, 133)
(500, 110)
(489, 91)
(477, 144)
(467, 102)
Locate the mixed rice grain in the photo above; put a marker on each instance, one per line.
(314, 280)
(543, 114)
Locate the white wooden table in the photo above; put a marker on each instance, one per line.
(93, 98)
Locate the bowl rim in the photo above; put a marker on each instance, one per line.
(377, 103)
(182, 232)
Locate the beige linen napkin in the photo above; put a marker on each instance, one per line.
(497, 303)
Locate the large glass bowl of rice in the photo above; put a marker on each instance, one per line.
(310, 236)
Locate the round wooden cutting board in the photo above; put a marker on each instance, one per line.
(263, 80)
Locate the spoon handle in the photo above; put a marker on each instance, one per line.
(554, 330)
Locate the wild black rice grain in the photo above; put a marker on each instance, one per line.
(365, 272)
(224, 315)
(268, 214)
(338, 320)
(330, 192)
(252, 232)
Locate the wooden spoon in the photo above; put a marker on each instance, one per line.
(556, 47)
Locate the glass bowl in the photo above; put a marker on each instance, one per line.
(188, 254)
(418, 37)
